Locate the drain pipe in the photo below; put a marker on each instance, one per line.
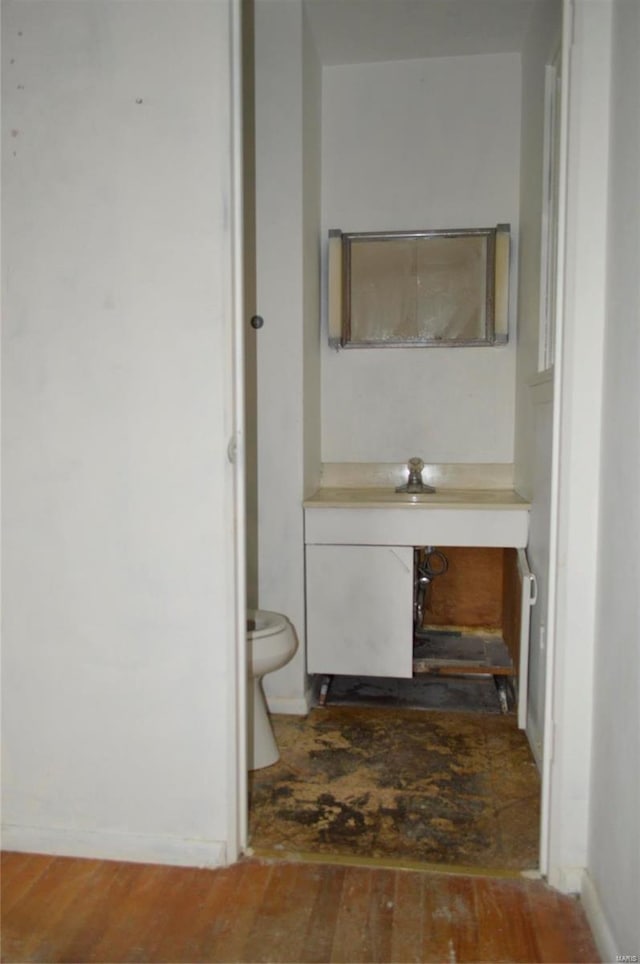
(428, 564)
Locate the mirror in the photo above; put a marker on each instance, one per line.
(418, 288)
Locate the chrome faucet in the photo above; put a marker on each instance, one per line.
(414, 483)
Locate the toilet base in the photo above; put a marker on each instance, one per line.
(262, 750)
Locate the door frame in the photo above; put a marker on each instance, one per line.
(563, 54)
(237, 811)
(576, 446)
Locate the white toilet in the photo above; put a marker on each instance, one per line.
(271, 642)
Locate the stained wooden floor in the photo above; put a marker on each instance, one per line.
(63, 909)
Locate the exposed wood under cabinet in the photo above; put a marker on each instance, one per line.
(459, 653)
(479, 593)
(469, 594)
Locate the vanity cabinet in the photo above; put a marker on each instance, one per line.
(360, 584)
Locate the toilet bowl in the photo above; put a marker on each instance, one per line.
(271, 642)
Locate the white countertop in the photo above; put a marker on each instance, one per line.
(371, 497)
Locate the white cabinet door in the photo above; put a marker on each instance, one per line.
(360, 610)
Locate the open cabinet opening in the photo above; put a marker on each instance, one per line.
(472, 618)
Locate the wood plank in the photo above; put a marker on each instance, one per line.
(319, 935)
(511, 605)
(139, 888)
(55, 889)
(497, 655)
(13, 865)
(282, 912)
(19, 873)
(283, 916)
(446, 668)
(203, 926)
(77, 904)
(507, 933)
(92, 917)
(167, 935)
(464, 653)
(582, 945)
(450, 931)
(470, 592)
(452, 646)
(350, 936)
(231, 909)
(487, 654)
(407, 924)
(185, 917)
(559, 926)
(380, 916)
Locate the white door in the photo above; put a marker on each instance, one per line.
(123, 608)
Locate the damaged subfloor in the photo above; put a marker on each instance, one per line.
(397, 784)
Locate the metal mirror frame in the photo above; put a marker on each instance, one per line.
(496, 287)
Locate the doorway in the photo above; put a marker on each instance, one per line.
(271, 590)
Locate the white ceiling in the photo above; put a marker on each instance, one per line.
(360, 31)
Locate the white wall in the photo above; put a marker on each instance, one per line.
(534, 397)
(614, 831)
(287, 208)
(429, 143)
(118, 593)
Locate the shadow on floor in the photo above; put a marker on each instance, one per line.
(457, 694)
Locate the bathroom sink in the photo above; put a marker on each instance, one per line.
(371, 496)
(448, 517)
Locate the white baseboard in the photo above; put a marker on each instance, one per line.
(597, 918)
(105, 845)
(568, 880)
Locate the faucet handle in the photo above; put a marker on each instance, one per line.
(414, 483)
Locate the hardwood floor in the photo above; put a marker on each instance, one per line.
(67, 909)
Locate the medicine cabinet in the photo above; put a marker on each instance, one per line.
(418, 288)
